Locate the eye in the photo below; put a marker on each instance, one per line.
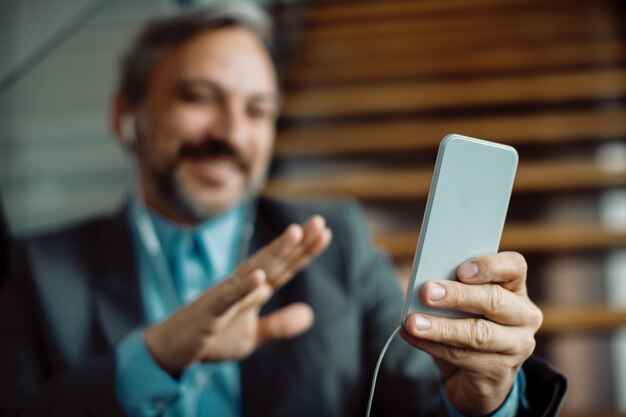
(198, 97)
(261, 111)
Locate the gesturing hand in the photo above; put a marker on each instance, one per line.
(224, 323)
(479, 357)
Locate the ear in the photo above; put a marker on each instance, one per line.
(123, 121)
(128, 134)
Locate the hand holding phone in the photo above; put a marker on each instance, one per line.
(479, 357)
(465, 213)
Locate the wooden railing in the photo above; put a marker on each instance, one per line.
(543, 128)
(602, 85)
(405, 62)
(414, 183)
(345, 12)
(581, 318)
(524, 238)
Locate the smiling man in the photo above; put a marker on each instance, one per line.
(161, 310)
(208, 111)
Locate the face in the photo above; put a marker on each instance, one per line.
(206, 127)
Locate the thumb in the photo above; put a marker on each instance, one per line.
(285, 323)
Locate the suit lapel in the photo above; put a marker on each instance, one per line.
(118, 300)
(255, 367)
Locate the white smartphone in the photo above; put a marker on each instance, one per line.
(465, 213)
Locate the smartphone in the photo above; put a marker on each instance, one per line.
(465, 213)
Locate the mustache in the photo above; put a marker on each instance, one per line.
(213, 148)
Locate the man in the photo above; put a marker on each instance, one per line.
(130, 314)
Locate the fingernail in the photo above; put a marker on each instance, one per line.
(420, 322)
(436, 292)
(468, 270)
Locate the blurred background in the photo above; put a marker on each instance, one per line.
(370, 88)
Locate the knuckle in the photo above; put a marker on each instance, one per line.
(482, 333)
(497, 298)
(528, 346)
(536, 316)
(310, 250)
(442, 328)
(454, 293)
(487, 264)
(520, 262)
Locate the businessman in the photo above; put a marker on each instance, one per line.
(200, 298)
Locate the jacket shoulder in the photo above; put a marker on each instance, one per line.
(77, 250)
(333, 210)
(85, 232)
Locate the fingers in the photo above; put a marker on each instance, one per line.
(278, 267)
(275, 264)
(474, 334)
(489, 300)
(255, 299)
(458, 357)
(484, 377)
(218, 299)
(285, 323)
(302, 256)
(290, 252)
(275, 251)
(505, 268)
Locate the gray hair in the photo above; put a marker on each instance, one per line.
(162, 34)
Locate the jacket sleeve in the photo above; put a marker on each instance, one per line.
(408, 381)
(545, 389)
(30, 383)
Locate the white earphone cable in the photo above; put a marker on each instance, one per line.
(380, 360)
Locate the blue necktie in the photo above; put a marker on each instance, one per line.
(192, 271)
(208, 389)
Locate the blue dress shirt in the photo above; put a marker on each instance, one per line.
(143, 387)
(146, 390)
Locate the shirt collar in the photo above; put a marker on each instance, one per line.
(219, 236)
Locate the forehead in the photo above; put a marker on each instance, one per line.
(233, 58)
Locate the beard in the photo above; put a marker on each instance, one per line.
(172, 191)
(174, 194)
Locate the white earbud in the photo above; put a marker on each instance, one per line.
(127, 126)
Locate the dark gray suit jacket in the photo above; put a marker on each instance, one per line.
(74, 294)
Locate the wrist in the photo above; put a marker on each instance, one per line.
(141, 384)
(514, 398)
(157, 349)
(478, 400)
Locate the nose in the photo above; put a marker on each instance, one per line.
(231, 124)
